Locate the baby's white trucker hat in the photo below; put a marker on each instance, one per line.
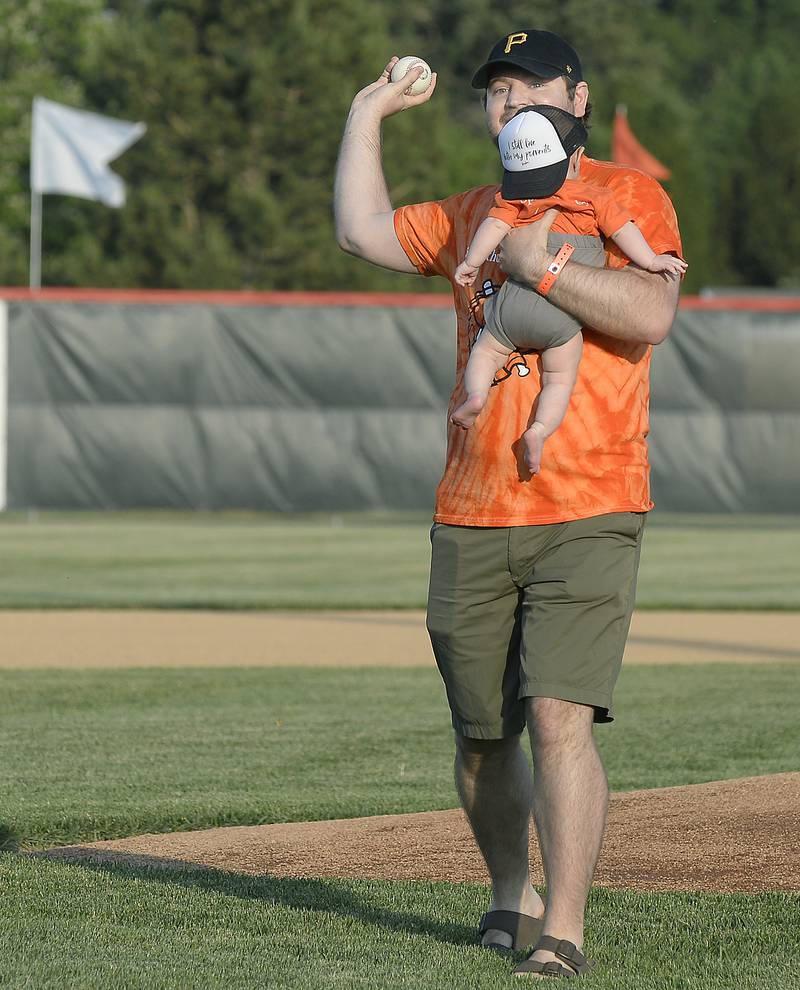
(535, 149)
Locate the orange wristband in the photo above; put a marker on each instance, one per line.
(554, 269)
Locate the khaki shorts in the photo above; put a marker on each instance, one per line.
(531, 611)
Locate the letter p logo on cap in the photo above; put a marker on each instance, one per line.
(515, 39)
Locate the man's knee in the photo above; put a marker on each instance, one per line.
(476, 753)
(556, 724)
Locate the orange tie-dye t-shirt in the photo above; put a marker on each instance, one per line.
(596, 461)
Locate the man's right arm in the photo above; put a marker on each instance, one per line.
(362, 209)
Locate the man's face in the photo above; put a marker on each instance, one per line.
(512, 88)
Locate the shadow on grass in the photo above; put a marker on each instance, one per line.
(327, 896)
(9, 840)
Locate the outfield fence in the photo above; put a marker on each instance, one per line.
(331, 401)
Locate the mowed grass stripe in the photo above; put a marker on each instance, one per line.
(102, 754)
(119, 928)
(197, 560)
(359, 560)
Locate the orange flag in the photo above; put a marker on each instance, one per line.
(626, 150)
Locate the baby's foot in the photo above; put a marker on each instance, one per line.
(534, 445)
(468, 411)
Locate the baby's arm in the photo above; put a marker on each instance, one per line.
(486, 239)
(559, 371)
(631, 240)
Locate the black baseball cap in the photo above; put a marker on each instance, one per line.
(540, 52)
(535, 148)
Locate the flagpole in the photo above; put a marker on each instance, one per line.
(36, 241)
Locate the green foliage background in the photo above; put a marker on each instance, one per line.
(245, 102)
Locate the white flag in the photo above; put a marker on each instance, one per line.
(71, 150)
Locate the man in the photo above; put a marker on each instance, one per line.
(532, 578)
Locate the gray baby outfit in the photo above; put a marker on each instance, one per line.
(523, 320)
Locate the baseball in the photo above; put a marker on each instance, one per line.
(402, 67)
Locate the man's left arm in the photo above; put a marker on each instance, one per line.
(628, 303)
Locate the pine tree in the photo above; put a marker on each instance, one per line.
(245, 101)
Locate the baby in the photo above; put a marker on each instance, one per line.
(540, 149)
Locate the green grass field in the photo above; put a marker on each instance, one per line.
(126, 927)
(104, 753)
(379, 560)
(99, 754)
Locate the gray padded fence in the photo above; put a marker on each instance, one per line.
(295, 408)
(282, 408)
(725, 413)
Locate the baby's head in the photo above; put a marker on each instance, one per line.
(536, 147)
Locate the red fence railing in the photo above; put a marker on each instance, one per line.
(383, 299)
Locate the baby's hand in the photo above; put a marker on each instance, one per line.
(465, 274)
(671, 266)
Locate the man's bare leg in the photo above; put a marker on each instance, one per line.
(570, 802)
(494, 783)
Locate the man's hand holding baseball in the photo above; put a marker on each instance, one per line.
(386, 98)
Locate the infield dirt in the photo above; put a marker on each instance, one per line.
(726, 836)
(110, 639)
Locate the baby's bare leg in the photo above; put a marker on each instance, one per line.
(487, 357)
(559, 371)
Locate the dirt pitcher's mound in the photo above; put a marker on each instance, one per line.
(734, 835)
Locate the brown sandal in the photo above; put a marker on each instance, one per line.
(577, 963)
(523, 929)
